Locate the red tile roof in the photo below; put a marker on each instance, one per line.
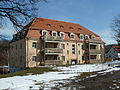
(41, 23)
(117, 48)
(54, 25)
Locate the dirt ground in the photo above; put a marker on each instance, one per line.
(103, 81)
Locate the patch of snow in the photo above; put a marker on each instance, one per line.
(51, 79)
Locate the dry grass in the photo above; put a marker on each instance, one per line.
(28, 71)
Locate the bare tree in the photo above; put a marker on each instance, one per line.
(18, 11)
(116, 28)
(4, 48)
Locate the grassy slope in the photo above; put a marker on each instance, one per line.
(27, 71)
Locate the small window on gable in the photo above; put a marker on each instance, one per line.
(80, 28)
(61, 26)
(54, 33)
(72, 36)
(71, 27)
(62, 35)
(49, 25)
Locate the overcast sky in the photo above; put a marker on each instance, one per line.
(95, 15)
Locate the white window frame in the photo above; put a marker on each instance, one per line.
(44, 31)
(53, 33)
(63, 35)
(92, 37)
(71, 35)
(82, 36)
(86, 36)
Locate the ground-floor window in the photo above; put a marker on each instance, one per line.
(34, 58)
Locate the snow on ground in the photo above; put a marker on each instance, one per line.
(50, 79)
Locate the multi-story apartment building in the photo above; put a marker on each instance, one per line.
(52, 42)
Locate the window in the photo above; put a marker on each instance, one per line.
(92, 37)
(73, 48)
(54, 33)
(63, 46)
(71, 27)
(83, 58)
(63, 58)
(34, 44)
(67, 51)
(71, 35)
(34, 58)
(80, 28)
(44, 32)
(78, 44)
(79, 51)
(83, 47)
(62, 35)
(49, 25)
(61, 26)
(81, 36)
(67, 43)
(86, 37)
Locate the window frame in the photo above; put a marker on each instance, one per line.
(81, 35)
(55, 33)
(63, 46)
(72, 34)
(34, 44)
(63, 35)
(43, 32)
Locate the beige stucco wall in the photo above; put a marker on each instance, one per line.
(30, 51)
(70, 56)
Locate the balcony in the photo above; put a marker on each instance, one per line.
(53, 62)
(95, 51)
(53, 50)
(52, 38)
(93, 41)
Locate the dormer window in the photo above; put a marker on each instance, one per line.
(92, 37)
(61, 26)
(54, 33)
(62, 35)
(81, 36)
(72, 36)
(71, 27)
(49, 25)
(86, 37)
(44, 32)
